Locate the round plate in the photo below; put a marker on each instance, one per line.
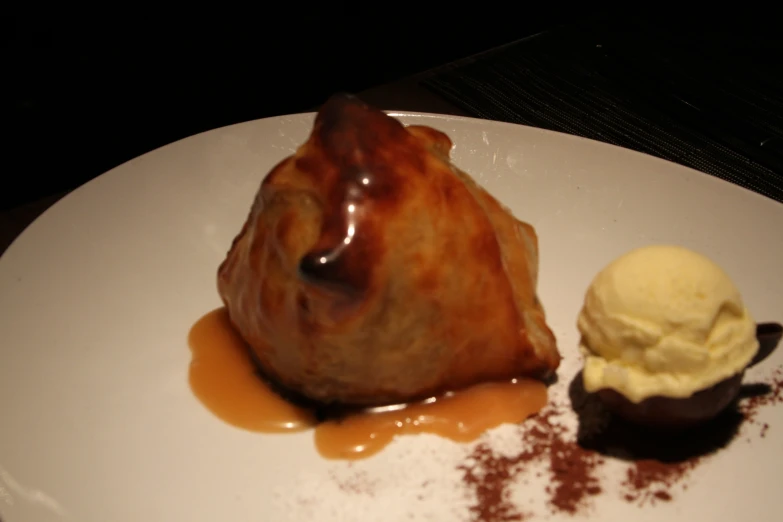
(98, 295)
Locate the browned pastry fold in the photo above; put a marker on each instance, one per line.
(373, 271)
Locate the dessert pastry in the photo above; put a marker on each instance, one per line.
(665, 336)
(372, 271)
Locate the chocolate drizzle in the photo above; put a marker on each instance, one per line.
(610, 435)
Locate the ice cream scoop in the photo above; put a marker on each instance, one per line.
(662, 323)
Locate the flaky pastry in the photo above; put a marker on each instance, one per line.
(373, 271)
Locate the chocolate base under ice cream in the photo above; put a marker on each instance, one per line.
(674, 413)
(668, 413)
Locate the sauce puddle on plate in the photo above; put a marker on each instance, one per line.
(224, 378)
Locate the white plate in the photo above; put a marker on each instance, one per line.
(98, 424)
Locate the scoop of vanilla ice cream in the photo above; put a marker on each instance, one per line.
(663, 320)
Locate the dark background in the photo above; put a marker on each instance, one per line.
(87, 91)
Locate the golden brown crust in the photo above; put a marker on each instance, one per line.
(371, 271)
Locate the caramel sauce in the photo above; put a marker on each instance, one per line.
(223, 377)
(461, 416)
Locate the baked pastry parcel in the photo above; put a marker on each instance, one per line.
(373, 271)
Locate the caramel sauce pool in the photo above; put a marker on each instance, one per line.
(223, 378)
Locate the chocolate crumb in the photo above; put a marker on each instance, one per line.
(764, 429)
(594, 490)
(663, 495)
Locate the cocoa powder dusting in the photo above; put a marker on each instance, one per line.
(358, 483)
(653, 478)
(489, 476)
(657, 462)
(648, 480)
(571, 469)
(757, 396)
